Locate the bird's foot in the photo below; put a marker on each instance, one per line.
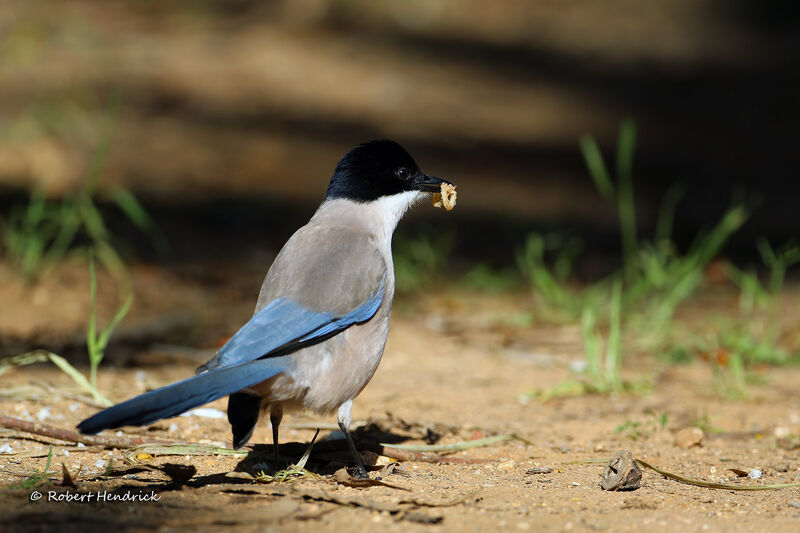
(358, 472)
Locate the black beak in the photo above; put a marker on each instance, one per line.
(427, 183)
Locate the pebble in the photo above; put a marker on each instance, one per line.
(44, 413)
(539, 470)
(796, 505)
(206, 412)
(688, 437)
(755, 474)
(782, 432)
(5, 448)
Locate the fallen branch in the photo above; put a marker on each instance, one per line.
(122, 442)
(420, 457)
(695, 482)
(710, 485)
(68, 435)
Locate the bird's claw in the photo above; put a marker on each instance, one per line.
(359, 472)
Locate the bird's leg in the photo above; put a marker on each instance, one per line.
(344, 424)
(275, 417)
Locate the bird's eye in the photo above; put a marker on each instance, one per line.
(403, 173)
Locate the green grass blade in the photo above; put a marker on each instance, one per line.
(28, 358)
(102, 341)
(666, 214)
(78, 378)
(613, 350)
(596, 165)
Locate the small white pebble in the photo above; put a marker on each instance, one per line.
(782, 431)
(206, 412)
(74, 406)
(44, 413)
(66, 453)
(754, 474)
(81, 445)
(100, 463)
(579, 366)
(173, 427)
(120, 434)
(5, 448)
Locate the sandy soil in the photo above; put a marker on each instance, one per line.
(453, 370)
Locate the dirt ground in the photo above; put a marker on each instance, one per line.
(455, 369)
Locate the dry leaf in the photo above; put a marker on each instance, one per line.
(66, 478)
(343, 477)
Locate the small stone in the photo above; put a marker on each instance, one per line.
(688, 437)
(783, 467)
(782, 432)
(539, 470)
(796, 505)
(621, 473)
(754, 474)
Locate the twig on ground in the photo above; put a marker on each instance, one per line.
(695, 482)
(68, 435)
(710, 485)
(163, 446)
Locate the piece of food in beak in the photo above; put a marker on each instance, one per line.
(446, 197)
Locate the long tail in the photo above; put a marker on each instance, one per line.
(179, 397)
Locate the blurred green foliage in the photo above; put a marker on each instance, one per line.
(655, 279)
(421, 260)
(42, 232)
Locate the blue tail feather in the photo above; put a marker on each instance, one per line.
(179, 397)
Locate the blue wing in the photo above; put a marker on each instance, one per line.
(284, 324)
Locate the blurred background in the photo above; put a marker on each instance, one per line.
(184, 141)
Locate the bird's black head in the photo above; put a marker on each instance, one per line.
(376, 169)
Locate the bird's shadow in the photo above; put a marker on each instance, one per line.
(327, 456)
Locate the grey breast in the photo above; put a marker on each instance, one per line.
(328, 268)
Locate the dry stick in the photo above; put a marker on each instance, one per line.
(422, 457)
(690, 481)
(46, 430)
(710, 485)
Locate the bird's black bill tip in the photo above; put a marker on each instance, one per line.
(428, 183)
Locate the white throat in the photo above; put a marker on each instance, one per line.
(379, 217)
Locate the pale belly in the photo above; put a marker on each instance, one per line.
(328, 374)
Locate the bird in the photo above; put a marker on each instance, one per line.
(321, 321)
